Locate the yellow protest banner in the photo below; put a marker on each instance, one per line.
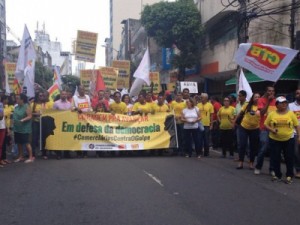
(155, 78)
(124, 73)
(86, 45)
(10, 69)
(109, 75)
(65, 130)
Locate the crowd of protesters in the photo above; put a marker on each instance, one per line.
(265, 124)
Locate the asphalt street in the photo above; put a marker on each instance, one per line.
(142, 190)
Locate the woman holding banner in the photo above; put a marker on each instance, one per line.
(22, 127)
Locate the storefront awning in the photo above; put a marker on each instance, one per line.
(291, 73)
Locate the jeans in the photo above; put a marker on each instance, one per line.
(263, 146)
(244, 135)
(288, 151)
(205, 140)
(35, 138)
(195, 134)
(2, 137)
(238, 138)
(297, 155)
(215, 134)
(226, 141)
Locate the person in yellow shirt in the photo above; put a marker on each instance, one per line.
(249, 130)
(226, 117)
(161, 106)
(8, 110)
(177, 106)
(37, 106)
(141, 106)
(48, 101)
(118, 107)
(206, 110)
(281, 124)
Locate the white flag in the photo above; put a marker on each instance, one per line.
(25, 64)
(266, 61)
(64, 67)
(143, 70)
(57, 77)
(136, 87)
(244, 85)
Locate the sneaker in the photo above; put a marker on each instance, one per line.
(29, 161)
(288, 180)
(272, 173)
(275, 179)
(256, 171)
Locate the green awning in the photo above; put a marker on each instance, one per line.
(291, 73)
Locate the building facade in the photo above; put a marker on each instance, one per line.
(120, 10)
(59, 58)
(225, 26)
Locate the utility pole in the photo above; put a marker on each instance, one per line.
(292, 25)
(244, 23)
(242, 33)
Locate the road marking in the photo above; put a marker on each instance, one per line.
(154, 178)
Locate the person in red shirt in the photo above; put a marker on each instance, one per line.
(215, 134)
(100, 104)
(265, 105)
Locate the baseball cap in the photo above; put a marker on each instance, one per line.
(280, 99)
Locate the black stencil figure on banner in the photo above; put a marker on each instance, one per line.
(170, 127)
(48, 127)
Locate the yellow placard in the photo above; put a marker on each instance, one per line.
(10, 69)
(155, 78)
(85, 78)
(86, 45)
(173, 79)
(109, 75)
(65, 130)
(124, 73)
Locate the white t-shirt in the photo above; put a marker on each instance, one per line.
(190, 115)
(82, 103)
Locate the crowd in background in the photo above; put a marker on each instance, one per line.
(264, 124)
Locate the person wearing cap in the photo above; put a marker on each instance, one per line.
(265, 105)
(295, 107)
(281, 124)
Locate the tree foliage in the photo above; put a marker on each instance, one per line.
(70, 82)
(43, 75)
(175, 23)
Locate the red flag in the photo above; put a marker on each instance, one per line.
(16, 87)
(100, 85)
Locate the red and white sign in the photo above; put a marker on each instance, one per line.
(266, 61)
